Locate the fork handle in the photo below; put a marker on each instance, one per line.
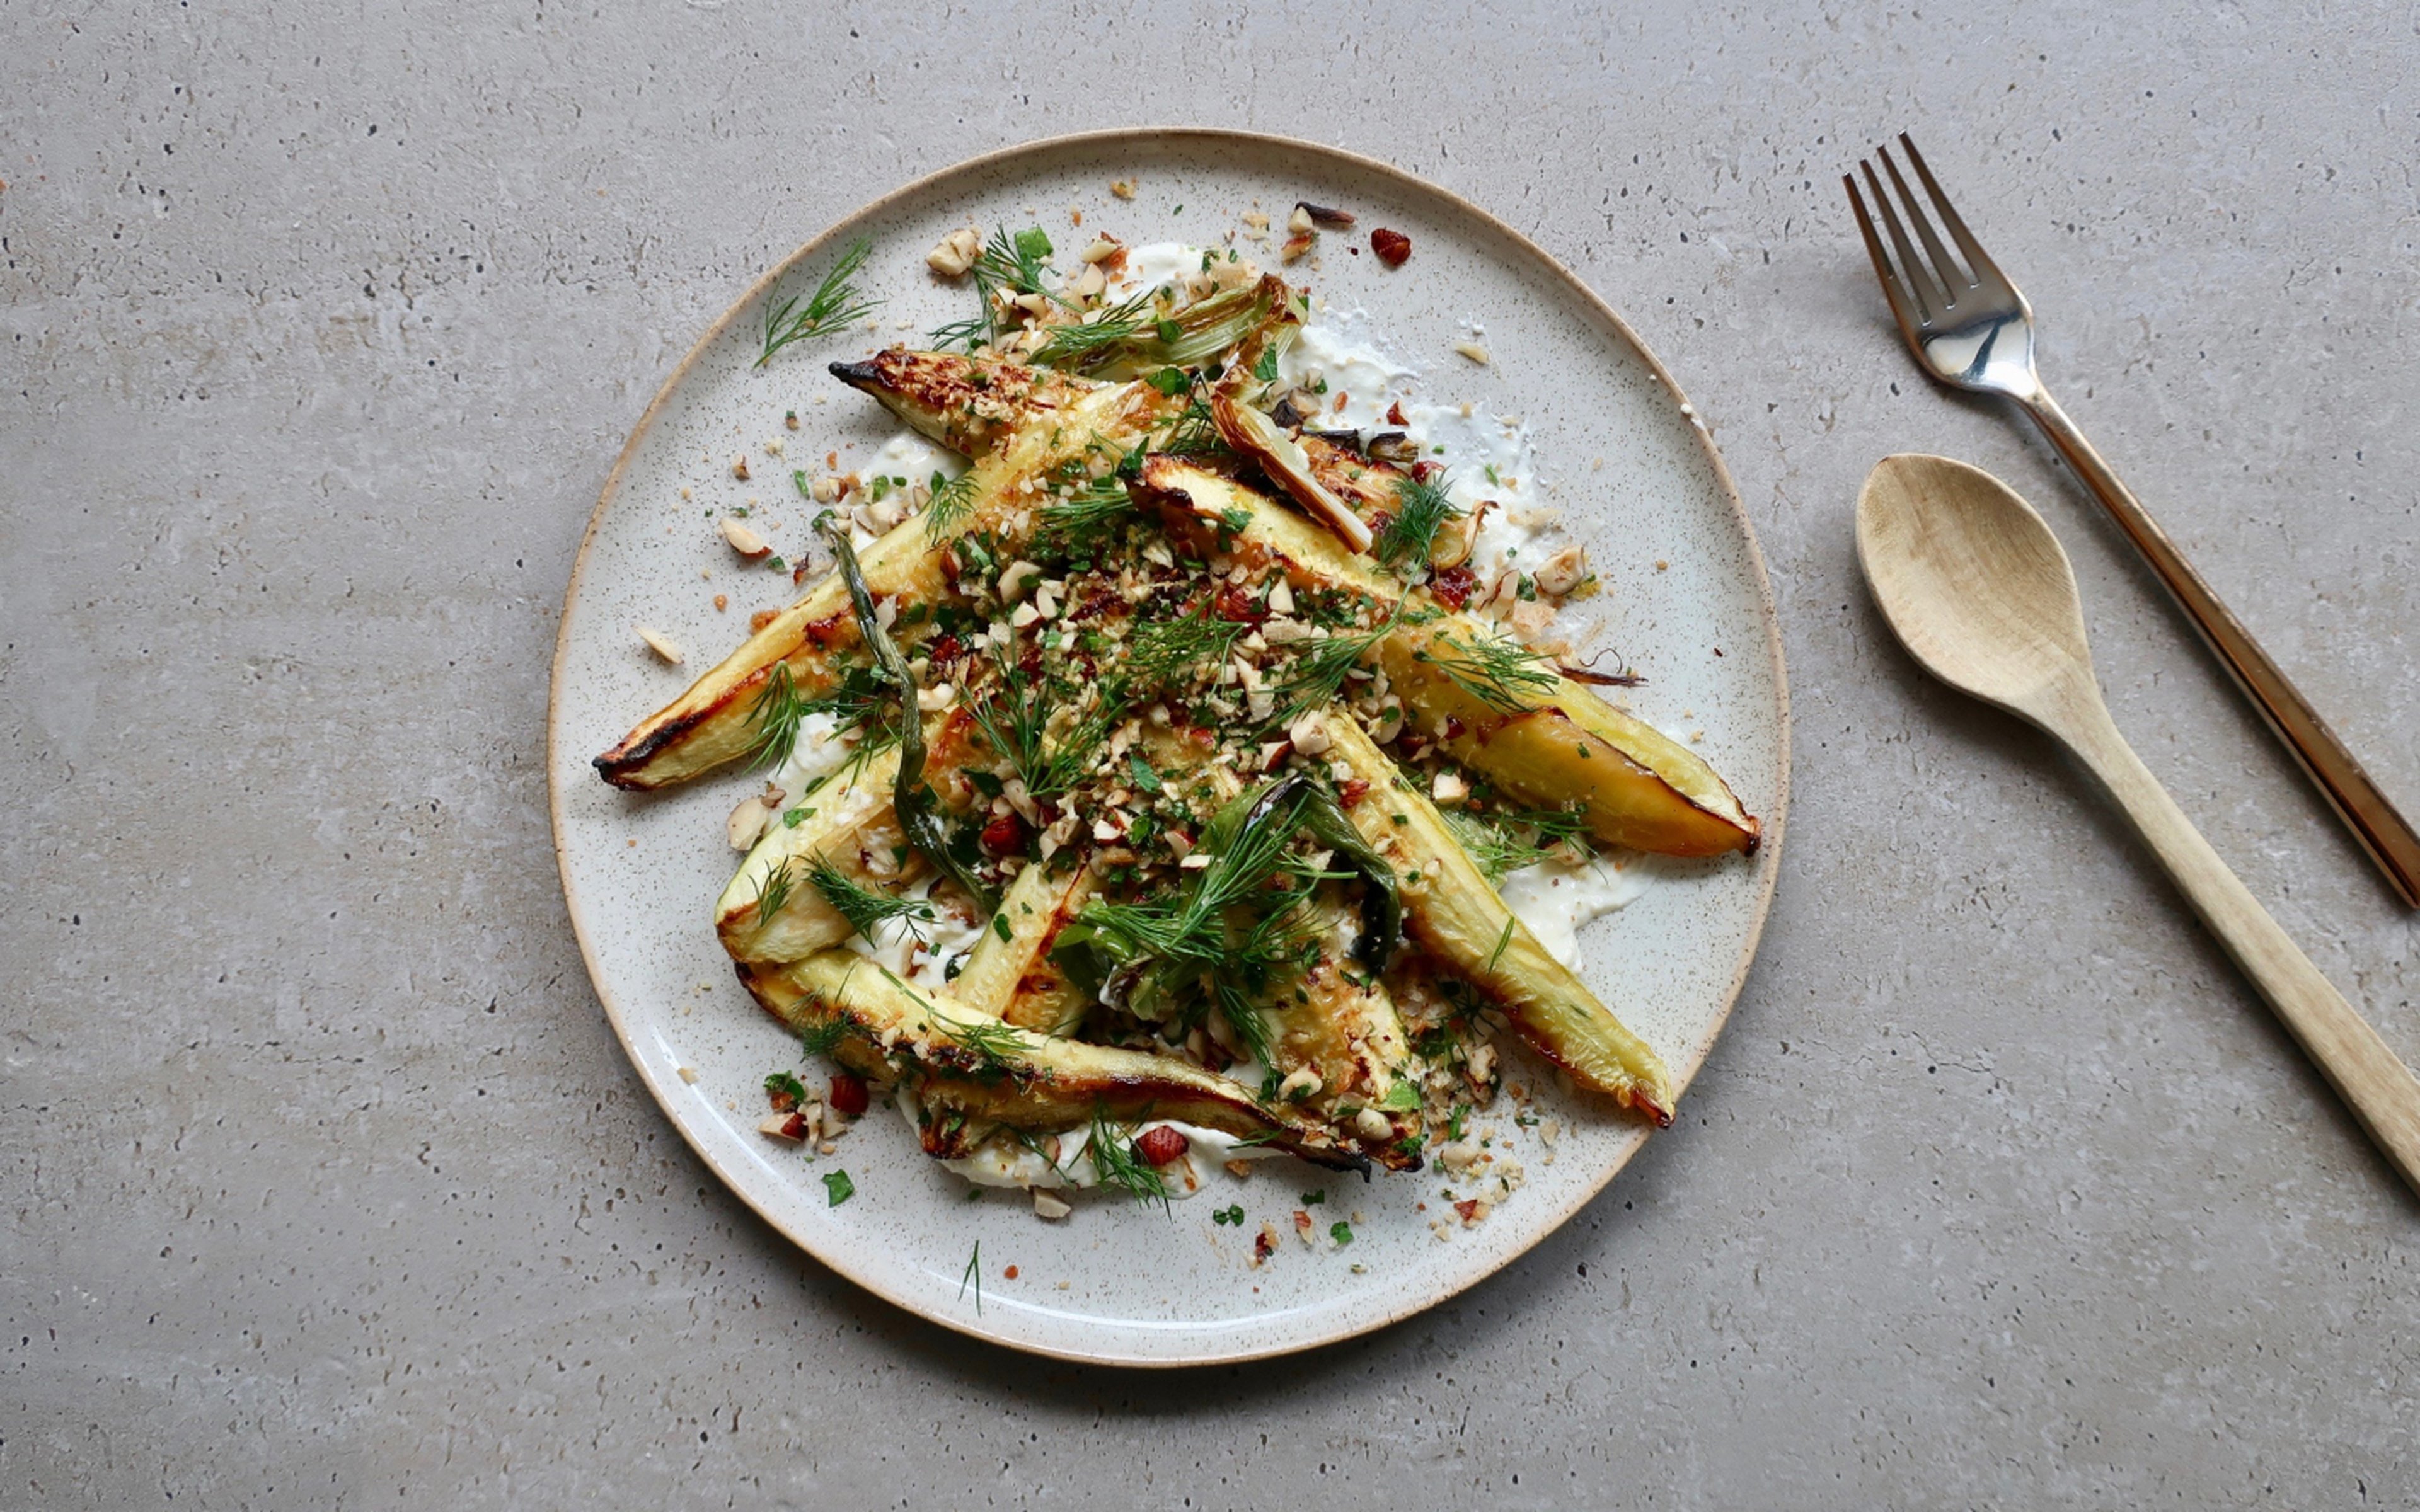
(2383, 832)
(2369, 1076)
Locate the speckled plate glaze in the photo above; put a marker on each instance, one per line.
(1120, 1282)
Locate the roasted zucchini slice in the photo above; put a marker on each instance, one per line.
(715, 721)
(1535, 733)
(993, 1071)
(1458, 917)
(1010, 973)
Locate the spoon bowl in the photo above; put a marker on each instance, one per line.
(1972, 583)
(1978, 589)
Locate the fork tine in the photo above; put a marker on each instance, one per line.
(1953, 278)
(1891, 290)
(1930, 307)
(1987, 272)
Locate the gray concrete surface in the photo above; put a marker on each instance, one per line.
(326, 1185)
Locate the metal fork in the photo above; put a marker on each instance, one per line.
(1970, 328)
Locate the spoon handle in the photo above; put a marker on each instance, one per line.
(2372, 817)
(2379, 1087)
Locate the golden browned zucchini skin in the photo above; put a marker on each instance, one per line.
(1641, 789)
(1035, 1082)
(967, 404)
(1013, 976)
(1456, 914)
(713, 722)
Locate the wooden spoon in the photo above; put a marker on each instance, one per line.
(1974, 583)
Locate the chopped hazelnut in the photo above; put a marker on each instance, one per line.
(747, 822)
(1049, 1206)
(954, 254)
(1472, 350)
(743, 540)
(1564, 571)
(739, 468)
(661, 645)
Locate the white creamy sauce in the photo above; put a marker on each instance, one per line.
(1555, 900)
(1338, 348)
(919, 951)
(1488, 461)
(909, 456)
(1064, 1160)
(818, 752)
(1154, 264)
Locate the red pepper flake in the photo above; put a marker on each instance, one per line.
(849, 1094)
(1236, 603)
(1157, 1146)
(1264, 1244)
(1009, 1275)
(1453, 728)
(1352, 791)
(1392, 247)
(1453, 586)
(1005, 835)
(1395, 414)
(1469, 1208)
(1427, 472)
(795, 1126)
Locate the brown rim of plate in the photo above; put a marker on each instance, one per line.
(1768, 860)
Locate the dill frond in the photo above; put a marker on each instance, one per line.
(1421, 510)
(1194, 432)
(1015, 719)
(834, 303)
(822, 1038)
(865, 909)
(1111, 1149)
(1317, 675)
(1009, 266)
(1501, 941)
(776, 714)
(1063, 522)
(1164, 652)
(1501, 844)
(953, 500)
(773, 890)
(1074, 346)
(1495, 669)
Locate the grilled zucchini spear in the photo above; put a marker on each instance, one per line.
(1457, 916)
(1530, 730)
(714, 722)
(985, 1069)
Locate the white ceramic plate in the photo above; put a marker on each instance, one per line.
(1121, 1282)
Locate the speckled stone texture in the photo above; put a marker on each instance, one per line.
(327, 1186)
